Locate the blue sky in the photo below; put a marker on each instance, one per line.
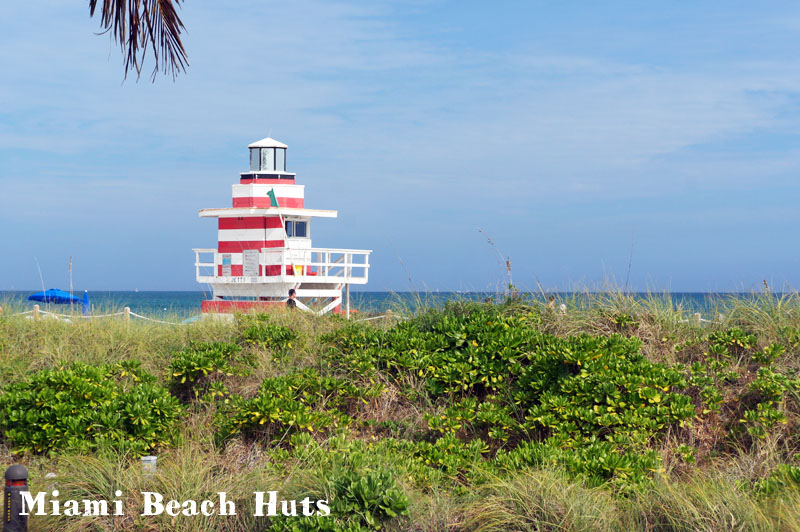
(580, 136)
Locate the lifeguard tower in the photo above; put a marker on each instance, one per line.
(264, 245)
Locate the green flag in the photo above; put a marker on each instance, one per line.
(273, 201)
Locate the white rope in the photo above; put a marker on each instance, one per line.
(79, 316)
(369, 319)
(48, 313)
(300, 305)
(702, 320)
(393, 316)
(155, 320)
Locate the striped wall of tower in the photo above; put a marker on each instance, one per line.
(256, 195)
(238, 234)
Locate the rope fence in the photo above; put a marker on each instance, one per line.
(373, 318)
(127, 313)
(697, 318)
(37, 312)
(388, 316)
(79, 316)
(155, 320)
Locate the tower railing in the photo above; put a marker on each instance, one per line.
(286, 265)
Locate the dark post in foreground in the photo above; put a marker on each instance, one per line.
(16, 482)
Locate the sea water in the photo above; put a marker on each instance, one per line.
(185, 304)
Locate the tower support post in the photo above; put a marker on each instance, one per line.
(347, 301)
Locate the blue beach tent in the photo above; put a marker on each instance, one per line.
(61, 297)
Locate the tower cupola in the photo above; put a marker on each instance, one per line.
(267, 160)
(268, 155)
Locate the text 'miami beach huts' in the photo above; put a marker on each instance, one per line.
(264, 245)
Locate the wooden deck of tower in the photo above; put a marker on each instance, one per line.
(264, 245)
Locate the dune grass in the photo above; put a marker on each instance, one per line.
(714, 489)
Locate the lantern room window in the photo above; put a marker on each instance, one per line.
(267, 159)
(255, 159)
(280, 160)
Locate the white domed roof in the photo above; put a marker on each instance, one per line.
(268, 142)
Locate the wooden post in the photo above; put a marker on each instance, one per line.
(347, 301)
(697, 317)
(389, 318)
(126, 313)
(36, 312)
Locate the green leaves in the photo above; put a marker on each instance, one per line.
(304, 401)
(269, 335)
(499, 380)
(86, 408)
(785, 476)
(197, 370)
(372, 496)
(732, 357)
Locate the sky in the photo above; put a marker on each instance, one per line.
(654, 146)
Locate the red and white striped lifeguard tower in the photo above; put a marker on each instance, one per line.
(264, 245)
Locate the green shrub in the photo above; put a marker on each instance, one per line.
(785, 476)
(263, 334)
(85, 408)
(770, 354)
(373, 497)
(730, 357)
(303, 401)
(314, 523)
(720, 347)
(595, 460)
(361, 501)
(197, 370)
(593, 402)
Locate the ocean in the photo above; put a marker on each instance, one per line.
(181, 305)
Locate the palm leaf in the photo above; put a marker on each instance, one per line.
(141, 24)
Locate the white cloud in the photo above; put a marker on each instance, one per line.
(371, 105)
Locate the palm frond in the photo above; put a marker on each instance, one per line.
(139, 24)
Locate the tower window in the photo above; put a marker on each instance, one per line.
(296, 229)
(255, 159)
(280, 160)
(267, 158)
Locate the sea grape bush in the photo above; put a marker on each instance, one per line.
(720, 346)
(594, 403)
(258, 331)
(466, 353)
(769, 354)
(725, 358)
(769, 388)
(304, 401)
(490, 414)
(621, 321)
(785, 476)
(604, 389)
(595, 460)
(198, 370)
(84, 408)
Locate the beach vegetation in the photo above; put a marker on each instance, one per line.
(84, 408)
(620, 413)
